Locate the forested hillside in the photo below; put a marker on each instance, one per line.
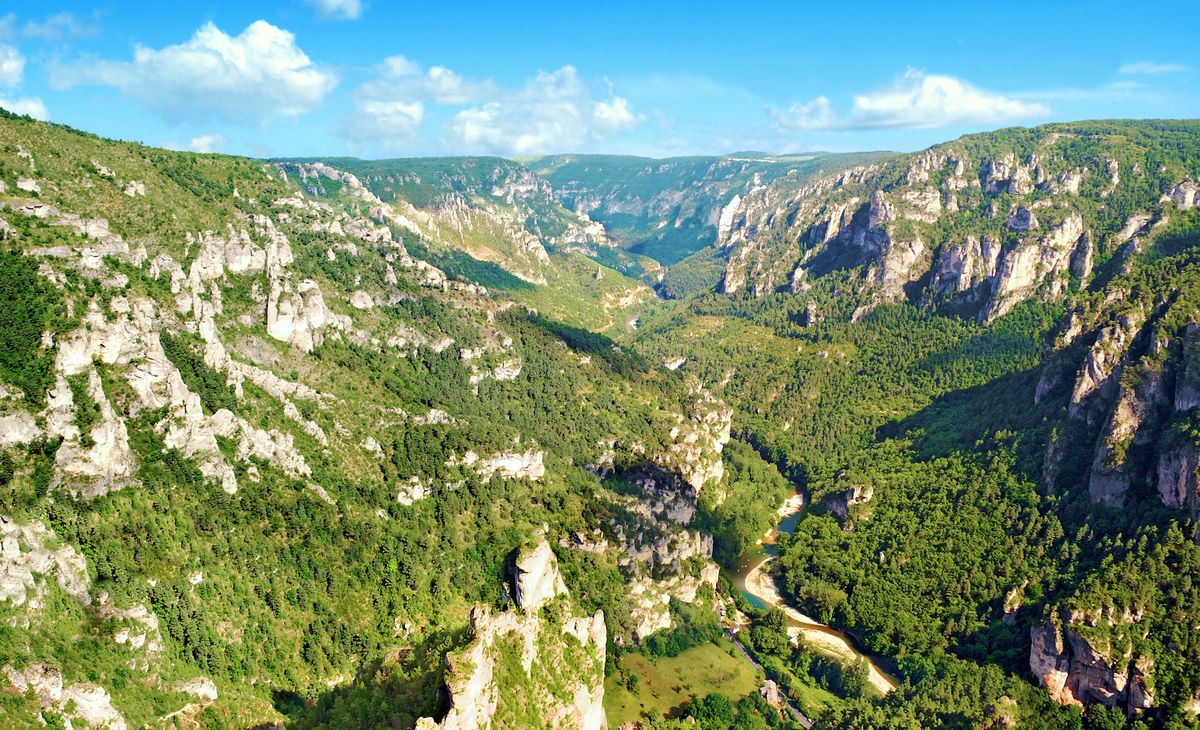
(254, 447)
(977, 359)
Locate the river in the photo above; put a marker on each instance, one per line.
(751, 577)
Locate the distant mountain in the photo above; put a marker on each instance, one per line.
(670, 208)
(495, 222)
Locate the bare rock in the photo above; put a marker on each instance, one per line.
(29, 552)
(1185, 195)
(1021, 219)
(18, 428)
(201, 688)
(536, 579)
(1035, 265)
(557, 682)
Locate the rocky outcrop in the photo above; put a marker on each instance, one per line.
(540, 666)
(107, 463)
(510, 465)
(30, 554)
(201, 688)
(1035, 264)
(966, 265)
(536, 579)
(18, 428)
(841, 503)
(84, 702)
(1018, 230)
(697, 440)
(1132, 423)
(298, 314)
(1076, 671)
(1100, 372)
(1184, 196)
(662, 562)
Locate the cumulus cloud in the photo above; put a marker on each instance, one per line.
(389, 109)
(12, 66)
(28, 106)
(914, 100)
(199, 143)
(1150, 68)
(387, 124)
(255, 76)
(338, 9)
(551, 113)
(12, 71)
(400, 79)
(816, 114)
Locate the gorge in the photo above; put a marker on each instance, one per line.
(478, 442)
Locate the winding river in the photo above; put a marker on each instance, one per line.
(751, 577)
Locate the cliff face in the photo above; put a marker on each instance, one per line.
(1124, 367)
(1122, 373)
(540, 664)
(973, 226)
(1076, 670)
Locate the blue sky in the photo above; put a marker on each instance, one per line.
(376, 79)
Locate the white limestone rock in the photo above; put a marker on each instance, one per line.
(536, 579)
(202, 688)
(18, 428)
(30, 551)
(361, 300)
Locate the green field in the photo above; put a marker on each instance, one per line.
(667, 683)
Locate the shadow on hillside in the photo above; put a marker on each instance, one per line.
(962, 420)
(394, 691)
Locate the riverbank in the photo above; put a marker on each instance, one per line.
(759, 583)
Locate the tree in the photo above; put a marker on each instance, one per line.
(768, 634)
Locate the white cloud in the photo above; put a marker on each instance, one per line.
(341, 9)
(201, 143)
(207, 142)
(12, 66)
(29, 106)
(1150, 68)
(389, 109)
(915, 100)
(58, 27)
(401, 79)
(388, 125)
(816, 114)
(255, 76)
(614, 115)
(553, 112)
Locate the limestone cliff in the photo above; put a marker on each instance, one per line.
(969, 227)
(537, 665)
(1078, 670)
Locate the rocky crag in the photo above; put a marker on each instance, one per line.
(974, 226)
(537, 664)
